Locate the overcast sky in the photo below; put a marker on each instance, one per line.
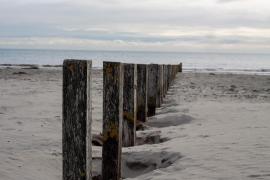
(149, 25)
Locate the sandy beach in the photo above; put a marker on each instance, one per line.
(210, 126)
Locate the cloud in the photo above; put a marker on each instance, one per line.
(221, 42)
(150, 23)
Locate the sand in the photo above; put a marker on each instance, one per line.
(210, 126)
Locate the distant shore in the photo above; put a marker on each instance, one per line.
(209, 62)
(29, 66)
(192, 70)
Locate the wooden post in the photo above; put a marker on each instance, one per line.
(163, 82)
(77, 119)
(180, 68)
(168, 77)
(129, 105)
(171, 77)
(174, 73)
(112, 120)
(152, 89)
(165, 79)
(142, 81)
(160, 86)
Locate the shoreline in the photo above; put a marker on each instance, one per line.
(261, 72)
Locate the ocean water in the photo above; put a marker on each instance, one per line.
(202, 62)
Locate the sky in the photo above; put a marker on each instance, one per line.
(137, 25)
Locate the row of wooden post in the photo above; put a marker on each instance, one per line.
(131, 93)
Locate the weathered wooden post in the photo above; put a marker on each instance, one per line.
(163, 82)
(171, 74)
(77, 117)
(142, 81)
(180, 68)
(168, 77)
(165, 79)
(160, 86)
(174, 71)
(112, 120)
(152, 89)
(172, 66)
(129, 105)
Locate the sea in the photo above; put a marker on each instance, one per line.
(197, 62)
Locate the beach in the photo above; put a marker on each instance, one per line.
(210, 126)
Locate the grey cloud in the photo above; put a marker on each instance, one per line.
(103, 35)
(50, 19)
(93, 15)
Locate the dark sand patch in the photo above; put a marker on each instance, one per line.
(173, 120)
(258, 176)
(166, 110)
(19, 73)
(48, 65)
(146, 137)
(137, 163)
(150, 137)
